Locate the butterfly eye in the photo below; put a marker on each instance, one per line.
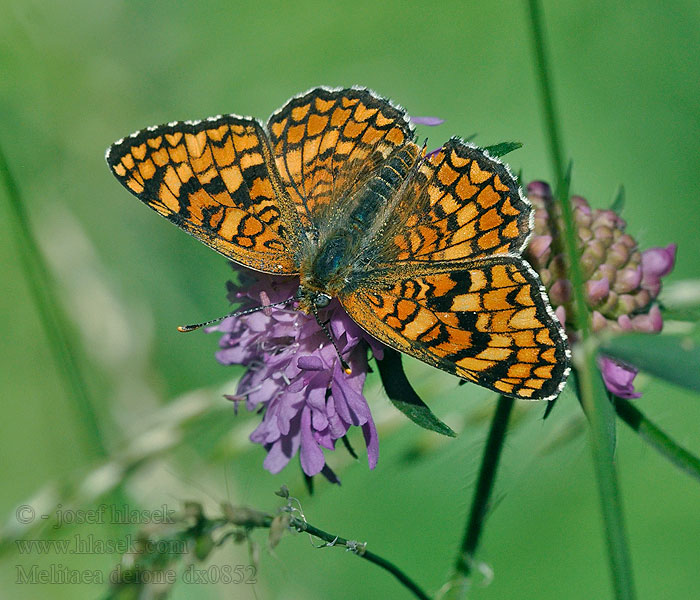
(299, 293)
(322, 300)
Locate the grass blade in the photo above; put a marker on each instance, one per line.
(52, 320)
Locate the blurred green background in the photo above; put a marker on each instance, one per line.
(75, 76)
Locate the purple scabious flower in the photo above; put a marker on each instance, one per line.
(622, 282)
(294, 374)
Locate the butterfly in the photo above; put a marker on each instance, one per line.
(422, 251)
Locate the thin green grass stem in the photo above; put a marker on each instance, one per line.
(482, 494)
(596, 405)
(54, 323)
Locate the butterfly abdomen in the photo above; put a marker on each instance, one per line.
(378, 191)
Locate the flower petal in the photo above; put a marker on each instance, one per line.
(539, 244)
(597, 289)
(311, 455)
(280, 453)
(618, 377)
(319, 421)
(429, 121)
(658, 262)
(310, 362)
(372, 441)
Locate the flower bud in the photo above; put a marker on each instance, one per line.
(622, 282)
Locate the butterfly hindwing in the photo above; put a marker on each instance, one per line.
(216, 180)
(487, 321)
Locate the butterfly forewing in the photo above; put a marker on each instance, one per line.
(216, 180)
(487, 321)
(328, 142)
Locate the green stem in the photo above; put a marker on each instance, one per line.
(53, 321)
(405, 580)
(250, 519)
(484, 487)
(595, 404)
(649, 432)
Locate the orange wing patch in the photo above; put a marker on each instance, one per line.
(485, 321)
(461, 204)
(327, 143)
(216, 180)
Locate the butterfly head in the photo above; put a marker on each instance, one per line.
(309, 301)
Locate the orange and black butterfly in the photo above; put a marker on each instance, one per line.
(423, 252)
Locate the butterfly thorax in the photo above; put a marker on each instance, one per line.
(328, 268)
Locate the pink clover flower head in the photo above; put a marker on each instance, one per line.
(622, 281)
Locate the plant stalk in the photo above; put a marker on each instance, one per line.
(484, 488)
(595, 404)
(53, 322)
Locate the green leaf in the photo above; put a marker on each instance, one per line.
(648, 431)
(566, 182)
(682, 294)
(675, 358)
(618, 202)
(680, 300)
(203, 546)
(498, 150)
(404, 397)
(691, 315)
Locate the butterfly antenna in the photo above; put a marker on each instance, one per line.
(322, 325)
(238, 313)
